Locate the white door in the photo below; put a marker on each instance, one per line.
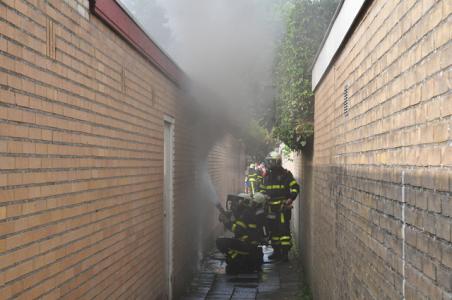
(168, 202)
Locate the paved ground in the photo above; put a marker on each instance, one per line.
(281, 280)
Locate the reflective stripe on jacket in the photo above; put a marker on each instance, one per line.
(280, 185)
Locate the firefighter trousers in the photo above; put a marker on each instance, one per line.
(278, 225)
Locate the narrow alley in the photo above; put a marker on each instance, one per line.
(150, 149)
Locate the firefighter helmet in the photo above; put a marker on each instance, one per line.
(273, 159)
(259, 198)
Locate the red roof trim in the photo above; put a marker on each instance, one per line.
(116, 17)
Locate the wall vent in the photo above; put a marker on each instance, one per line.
(346, 101)
(50, 39)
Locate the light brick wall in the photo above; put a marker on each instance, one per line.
(300, 164)
(397, 64)
(81, 160)
(293, 162)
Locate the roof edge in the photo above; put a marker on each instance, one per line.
(345, 18)
(327, 32)
(118, 18)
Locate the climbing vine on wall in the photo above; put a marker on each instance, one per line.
(306, 23)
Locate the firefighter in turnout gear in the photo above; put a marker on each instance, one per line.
(253, 180)
(243, 254)
(282, 189)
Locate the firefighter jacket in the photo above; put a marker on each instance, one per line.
(253, 182)
(280, 185)
(247, 226)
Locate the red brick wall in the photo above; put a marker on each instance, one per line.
(81, 159)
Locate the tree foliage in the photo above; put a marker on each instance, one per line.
(306, 23)
(257, 140)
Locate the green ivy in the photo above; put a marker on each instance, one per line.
(306, 23)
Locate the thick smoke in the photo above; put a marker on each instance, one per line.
(227, 47)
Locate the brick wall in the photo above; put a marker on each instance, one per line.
(300, 164)
(380, 210)
(81, 160)
(293, 162)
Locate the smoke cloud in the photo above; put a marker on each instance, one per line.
(227, 47)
